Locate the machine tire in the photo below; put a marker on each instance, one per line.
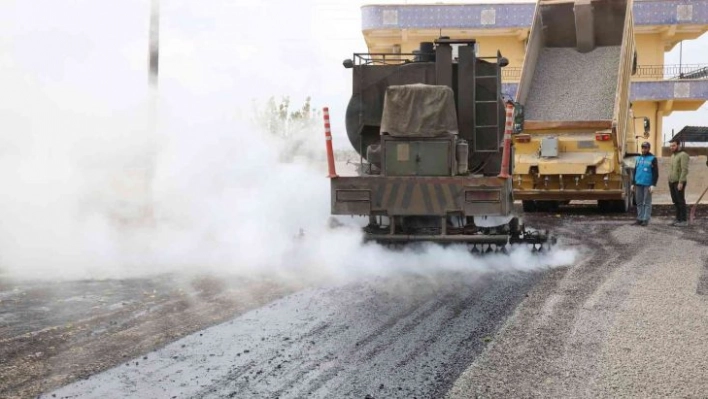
(514, 226)
(614, 206)
(547, 206)
(628, 200)
(605, 206)
(528, 206)
(625, 205)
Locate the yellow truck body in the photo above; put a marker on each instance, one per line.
(578, 131)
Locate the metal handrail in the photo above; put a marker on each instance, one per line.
(397, 58)
(673, 71)
(511, 73)
(383, 58)
(664, 72)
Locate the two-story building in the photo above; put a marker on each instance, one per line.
(657, 89)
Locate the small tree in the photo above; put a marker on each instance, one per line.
(297, 129)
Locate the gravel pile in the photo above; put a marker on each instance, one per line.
(569, 85)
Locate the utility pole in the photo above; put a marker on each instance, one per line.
(681, 59)
(153, 109)
(139, 172)
(154, 43)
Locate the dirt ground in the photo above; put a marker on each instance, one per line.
(56, 333)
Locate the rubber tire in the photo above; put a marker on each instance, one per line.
(547, 206)
(529, 206)
(619, 206)
(514, 226)
(605, 206)
(625, 205)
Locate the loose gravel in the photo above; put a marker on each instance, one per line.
(629, 321)
(573, 86)
(657, 345)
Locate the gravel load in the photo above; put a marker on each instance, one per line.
(573, 86)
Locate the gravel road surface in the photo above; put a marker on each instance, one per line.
(629, 320)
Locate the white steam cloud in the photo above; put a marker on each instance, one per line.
(221, 201)
(78, 169)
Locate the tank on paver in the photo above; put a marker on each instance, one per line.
(429, 130)
(578, 138)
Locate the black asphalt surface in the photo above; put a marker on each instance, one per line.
(395, 337)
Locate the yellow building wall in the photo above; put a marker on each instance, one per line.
(651, 110)
(650, 52)
(510, 46)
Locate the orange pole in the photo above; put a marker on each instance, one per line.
(508, 128)
(328, 142)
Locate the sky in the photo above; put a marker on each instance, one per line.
(216, 54)
(693, 52)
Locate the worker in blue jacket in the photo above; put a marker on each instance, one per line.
(646, 174)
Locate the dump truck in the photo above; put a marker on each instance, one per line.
(430, 128)
(577, 141)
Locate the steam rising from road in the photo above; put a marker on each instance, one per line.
(220, 199)
(91, 190)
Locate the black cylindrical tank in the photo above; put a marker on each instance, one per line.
(426, 53)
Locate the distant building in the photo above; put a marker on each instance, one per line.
(657, 89)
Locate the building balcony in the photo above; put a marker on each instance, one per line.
(671, 72)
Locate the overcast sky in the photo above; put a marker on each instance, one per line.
(216, 55)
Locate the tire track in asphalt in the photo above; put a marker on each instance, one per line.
(415, 335)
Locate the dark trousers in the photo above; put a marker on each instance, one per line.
(678, 197)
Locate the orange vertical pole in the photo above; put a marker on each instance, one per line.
(328, 142)
(508, 128)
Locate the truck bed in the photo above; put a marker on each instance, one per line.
(571, 86)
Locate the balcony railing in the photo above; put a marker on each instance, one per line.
(658, 72)
(676, 71)
(511, 73)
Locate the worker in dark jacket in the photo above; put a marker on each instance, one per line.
(677, 182)
(646, 174)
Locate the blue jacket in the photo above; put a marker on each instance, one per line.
(646, 170)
